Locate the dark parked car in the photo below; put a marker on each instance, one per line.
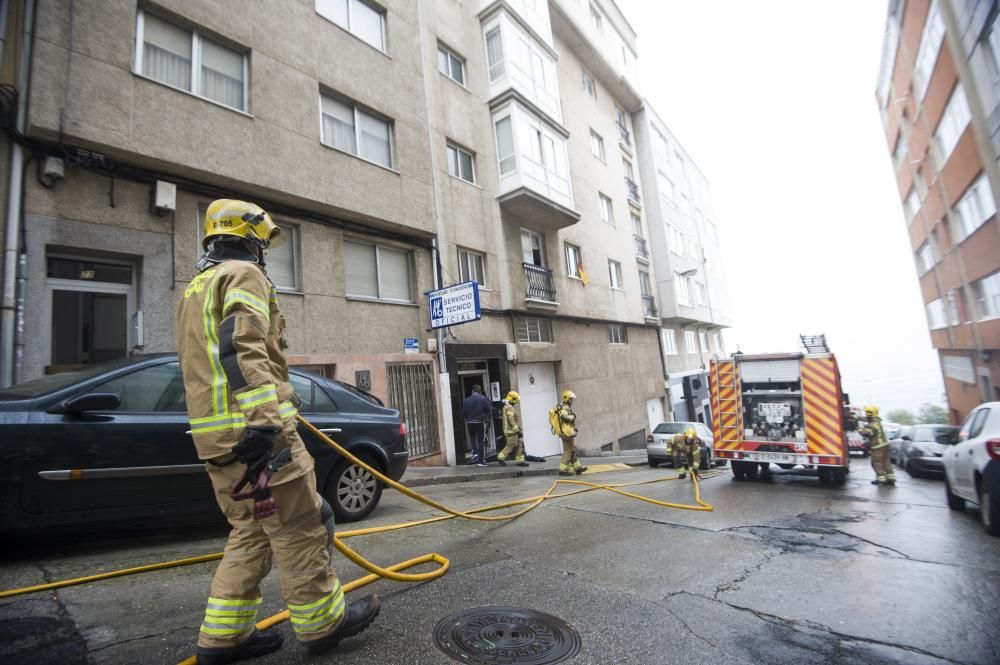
(921, 449)
(110, 443)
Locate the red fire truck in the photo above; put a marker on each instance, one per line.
(783, 408)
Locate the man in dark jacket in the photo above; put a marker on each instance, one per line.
(477, 411)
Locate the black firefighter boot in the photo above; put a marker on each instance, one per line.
(259, 644)
(359, 615)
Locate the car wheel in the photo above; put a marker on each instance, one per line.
(911, 469)
(954, 502)
(353, 491)
(705, 463)
(989, 512)
(653, 463)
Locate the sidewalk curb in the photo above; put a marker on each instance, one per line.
(499, 474)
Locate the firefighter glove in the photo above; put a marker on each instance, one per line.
(254, 449)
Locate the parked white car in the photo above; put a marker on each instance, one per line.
(972, 466)
(658, 443)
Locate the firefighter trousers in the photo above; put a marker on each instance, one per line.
(882, 464)
(515, 447)
(684, 460)
(569, 462)
(295, 538)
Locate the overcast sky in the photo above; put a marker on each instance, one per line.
(774, 100)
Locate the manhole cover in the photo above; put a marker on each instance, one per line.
(506, 636)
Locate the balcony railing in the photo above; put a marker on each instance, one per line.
(633, 189)
(648, 307)
(640, 247)
(539, 281)
(623, 135)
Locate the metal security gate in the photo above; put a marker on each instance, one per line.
(411, 391)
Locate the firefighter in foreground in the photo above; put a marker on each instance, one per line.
(512, 432)
(563, 423)
(878, 446)
(242, 415)
(686, 451)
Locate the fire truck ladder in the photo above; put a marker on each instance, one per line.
(728, 405)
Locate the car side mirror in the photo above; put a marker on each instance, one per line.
(88, 402)
(906, 437)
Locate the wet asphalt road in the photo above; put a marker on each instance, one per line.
(783, 571)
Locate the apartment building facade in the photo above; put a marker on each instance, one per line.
(939, 96)
(402, 146)
(684, 237)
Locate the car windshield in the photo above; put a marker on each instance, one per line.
(946, 435)
(54, 382)
(671, 428)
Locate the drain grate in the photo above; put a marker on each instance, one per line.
(506, 636)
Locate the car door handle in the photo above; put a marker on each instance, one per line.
(331, 430)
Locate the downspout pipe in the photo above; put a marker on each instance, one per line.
(9, 369)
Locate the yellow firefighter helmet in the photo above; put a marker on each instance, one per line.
(568, 395)
(871, 411)
(240, 219)
(513, 397)
(690, 433)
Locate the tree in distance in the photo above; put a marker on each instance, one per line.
(932, 414)
(901, 416)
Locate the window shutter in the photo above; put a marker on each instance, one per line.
(395, 274)
(281, 260)
(359, 267)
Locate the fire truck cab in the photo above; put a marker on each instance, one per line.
(784, 408)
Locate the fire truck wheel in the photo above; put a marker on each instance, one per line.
(739, 473)
(751, 470)
(825, 475)
(839, 477)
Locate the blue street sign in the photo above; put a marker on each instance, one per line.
(454, 304)
(411, 345)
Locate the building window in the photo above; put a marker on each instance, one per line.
(693, 248)
(667, 192)
(661, 146)
(589, 86)
(282, 259)
(683, 285)
(534, 330)
(596, 19)
(375, 271)
(986, 291)
(951, 303)
(930, 43)
(676, 240)
(703, 340)
(505, 145)
(702, 294)
(461, 163)
(617, 334)
(911, 205)
(685, 204)
(187, 60)
(901, 149)
(494, 54)
(607, 212)
(615, 274)
(974, 208)
(596, 145)
(644, 285)
(690, 342)
(953, 122)
(936, 315)
(347, 128)
(716, 343)
(572, 260)
(925, 258)
(472, 266)
(451, 64)
(622, 123)
(993, 43)
(669, 336)
(959, 368)
(359, 18)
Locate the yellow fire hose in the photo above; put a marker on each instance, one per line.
(392, 572)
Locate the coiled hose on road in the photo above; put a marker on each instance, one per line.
(393, 572)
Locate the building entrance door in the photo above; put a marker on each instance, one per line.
(467, 380)
(536, 383)
(654, 409)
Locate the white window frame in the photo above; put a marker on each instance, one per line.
(534, 327)
(498, 69)
(574, 259)
(668, 191)
(927, 53)
(925, 258)
(589, 85)
(290, 232)
(669, 337)
(683, 286)
(606, 207)
(986, 292)
(936, 316)
(350, 20)
(378, 273)
(911, 205)
(716, 343)
(617, 334)
(597, 146)
(954, 120)
(702, 293)
(596, 20)
(615, 274)
(450, 57)
(358, 112)
(973, 209)
(690, 341)
(993, 45)
(677, 241)
(702, 341)
(196, 48)
(459, 151)
(467, 268)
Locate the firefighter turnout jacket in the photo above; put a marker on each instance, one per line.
(230, 344)
(511, 421)
(874, 433)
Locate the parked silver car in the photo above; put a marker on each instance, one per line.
(658, 443)
(921, 449)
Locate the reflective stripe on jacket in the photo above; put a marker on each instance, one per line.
(567, 421)
(230, 346)
(511, 421)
